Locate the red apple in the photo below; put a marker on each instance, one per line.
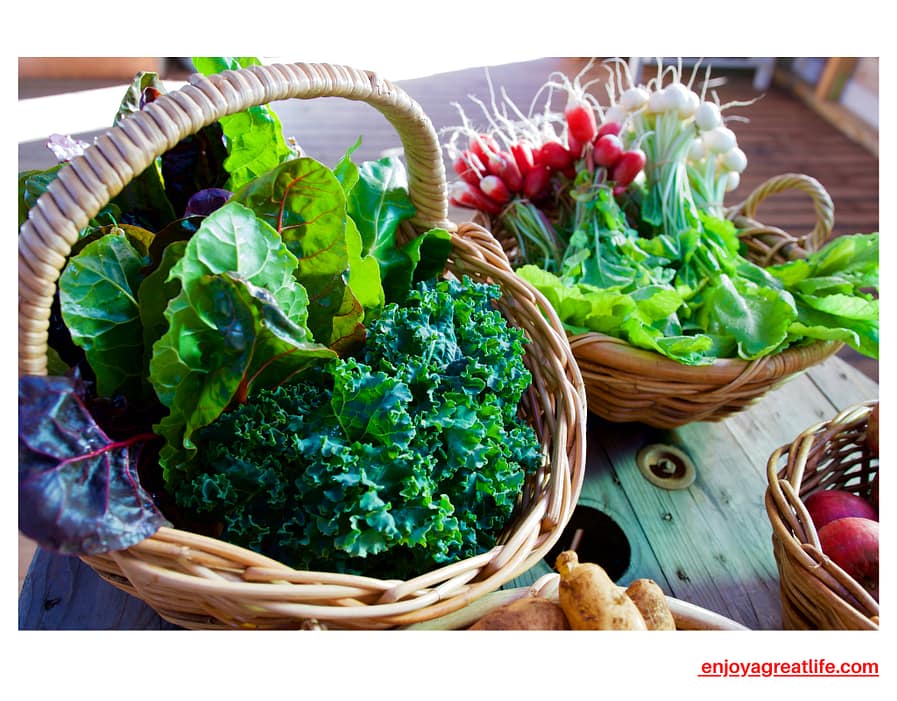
(828, 505)
(852, 544)
(873, 497)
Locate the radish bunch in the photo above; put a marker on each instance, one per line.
(534, 157)
(490, 174)
(660, 152)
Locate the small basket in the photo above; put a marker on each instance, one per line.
(200, 582)
(625, 383)
(817, 593)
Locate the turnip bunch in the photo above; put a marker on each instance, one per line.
(693, 158)
(714, 161)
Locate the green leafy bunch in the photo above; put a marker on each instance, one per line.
(407, 456)
(692, 295)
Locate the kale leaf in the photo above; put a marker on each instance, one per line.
(408, 456)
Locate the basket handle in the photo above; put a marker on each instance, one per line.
(767, 244)
(89, 182)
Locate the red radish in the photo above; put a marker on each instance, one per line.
(555, 155)
(483, 145)
(827, 505)
(465, 195)
(574, 146)
(500, 163)
(505, 167)
(469, 167)
(523, 157)
(494, 187)
(609, 128)
(629, 165)
(608, 150)
(581, 122)
(535, 184)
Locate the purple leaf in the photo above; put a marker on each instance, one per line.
(207, 201)
(79, 493)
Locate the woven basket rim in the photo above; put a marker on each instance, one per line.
(617, 352)
(201, 582)
(626, 383)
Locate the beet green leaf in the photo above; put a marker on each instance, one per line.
(79, 492)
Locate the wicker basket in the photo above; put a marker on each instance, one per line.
(817, 593)
(625, 383)
(203, 583)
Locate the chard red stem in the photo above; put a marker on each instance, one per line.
(113, 445)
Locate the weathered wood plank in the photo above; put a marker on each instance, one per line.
(603, 492)
(843, 387)
(63, 593)
(707, 538)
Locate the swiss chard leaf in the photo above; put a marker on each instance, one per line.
(237, 322)
(379, 202)
(79, 492)
(98, 298)
(155, 292)
(254, 137)
(422, 258)
(304, 202)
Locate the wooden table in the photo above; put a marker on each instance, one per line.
(708, 544)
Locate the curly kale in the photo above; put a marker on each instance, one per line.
(408, 456)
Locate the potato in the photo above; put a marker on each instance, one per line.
(527, 613)
(651, 602)
(590, 599)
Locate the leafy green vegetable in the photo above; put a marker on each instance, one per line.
(409, 456)
(239, 319)
(304, 202)
(254, 137)
(78, 489)
(377, 201)
(834, 291)
(98, 297)
(691, 295)
(175, 322)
